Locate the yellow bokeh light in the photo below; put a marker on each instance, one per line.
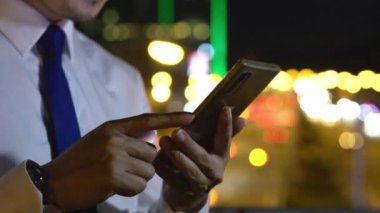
(245, 114)
(306, 73)
(161, 78)
(233, 150)
(193, 79)
(181, 30)
(216, 78)
(347, 140)
(343, 78)
(110, 16)
(365, 77)
(191, 92)
(214, 197)
(376, 82)
(282, 82)
(165, 52)
(201, 31)
(161, 93)
(351, 140)
(151, 30)
(352, 84)
(293, 73)
(111, 32)
(258, 157)
(329, 79)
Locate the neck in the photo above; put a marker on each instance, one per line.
(44, 9)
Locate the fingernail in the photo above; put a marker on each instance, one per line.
(151, 145)
(189, 116)
(227, 112)
(180, 135)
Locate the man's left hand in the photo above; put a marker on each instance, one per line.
(196, 171)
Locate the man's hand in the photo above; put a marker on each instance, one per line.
(197, 171)
(112, 159)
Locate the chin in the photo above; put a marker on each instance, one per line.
(96, 2)
(88, 9)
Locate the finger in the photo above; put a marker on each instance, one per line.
(125, 163)
(223, 133)
(190, 171)
(140, 149)
(168, 173)
(239, 125)
(135, 126)
(139, 168)
(207, 162)
(127, 184)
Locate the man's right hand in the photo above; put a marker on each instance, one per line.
(112, 159)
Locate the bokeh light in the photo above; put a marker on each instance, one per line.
(366, 109)
(282, 82)
(246, 113)
(201, 31)
(375, 82)
(349, 110)
(258, 157)
(190, 106)
(343, 79)
(365, 78)
(161, 93)
(181, 30)
(161, 78)
(207, 48)
(372, 125)
(216, 78)
(165, 52)
(351, 140)
(330, 114)
(329, 79)
(214, 197)
(233, 149)
(306, 73)
(191, 92)
(198, 64)
(110, 16)
(111, 32)
(199, 86)
(352, 84)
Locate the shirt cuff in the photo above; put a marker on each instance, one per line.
(18, 193)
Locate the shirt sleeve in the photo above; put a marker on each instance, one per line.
(18, 193)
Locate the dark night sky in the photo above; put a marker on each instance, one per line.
(320, 34)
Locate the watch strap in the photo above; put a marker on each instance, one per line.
(40, 181)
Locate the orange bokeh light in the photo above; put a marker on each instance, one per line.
(214, 197)
(233, 150)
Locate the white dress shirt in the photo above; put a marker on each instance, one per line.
(102, 87)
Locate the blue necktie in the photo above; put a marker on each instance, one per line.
(63, 121)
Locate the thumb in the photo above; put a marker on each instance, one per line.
(135, 126)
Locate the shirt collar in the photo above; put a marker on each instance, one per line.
(23, 26)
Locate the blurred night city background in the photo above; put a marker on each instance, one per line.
(312, 139)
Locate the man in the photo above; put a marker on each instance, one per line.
(110, 166)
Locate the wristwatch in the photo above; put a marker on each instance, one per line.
(39, 180)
